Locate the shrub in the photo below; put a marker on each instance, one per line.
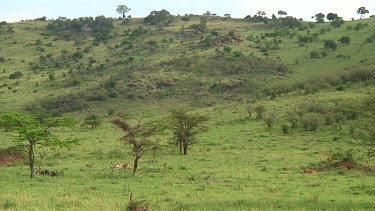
(96, 96)
(77, 55)
(330, 44)
(260, 110)
(285, 129)
(2, 59)
(314, 54)
(337, 22)
(227, 49)
(292, 118)
(237, 53)
(358, 27)
(311, 121)
(15, 75)
(270, 120)
(185, 18)
(345, 40)
(305, 39)
(371, 39)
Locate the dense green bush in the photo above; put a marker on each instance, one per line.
(371, 39)
(345, 40)
(260, 111)
(67, 29)
(330, 44)
(16, 75)
(311, 121)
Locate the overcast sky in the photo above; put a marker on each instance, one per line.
(16, 10)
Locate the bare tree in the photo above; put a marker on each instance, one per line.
(138, 136)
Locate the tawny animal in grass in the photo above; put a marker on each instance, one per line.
(331, 160)
(310, 171)
(122, 166)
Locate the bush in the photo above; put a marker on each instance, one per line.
(330, 44)
(371, 39)
(345, 40)
(285, 129)
(16, 75)
(314, 54)
(358, 27)
(77, 55)
(2, 59)
(185, 18)
(305, 39)
(270, 120)
(311, 121)
(227, 49)
(260, 110)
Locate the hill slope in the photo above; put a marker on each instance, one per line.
(279, 102)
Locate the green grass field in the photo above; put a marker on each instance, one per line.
(238, 163)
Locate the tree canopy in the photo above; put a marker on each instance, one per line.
(320, 17)
(123, 9)
(163, 18)
(331, 16)
(281, 13)
(362, 11)
(35, 133)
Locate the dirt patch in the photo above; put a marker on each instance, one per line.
(7, 158)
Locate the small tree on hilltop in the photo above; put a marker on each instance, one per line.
(138, 137)
(123, 9)
(362, 11)
(161, 18)
(281, 13)
(320, 17)
(35, 133)
(185, 127)
(337, 22)
(331, 16)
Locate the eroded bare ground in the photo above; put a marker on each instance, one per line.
(7, 158)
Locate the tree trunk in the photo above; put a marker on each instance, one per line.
(136, 164)
(180, 144)
(31, 159)
(185, 147)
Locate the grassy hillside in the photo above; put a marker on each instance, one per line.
(221, 68)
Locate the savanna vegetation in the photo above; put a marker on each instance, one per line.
(210, 112)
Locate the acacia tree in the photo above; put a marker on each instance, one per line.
(362, 11)
(138, 137)
(320, 17)
(331, 16)
(281, 13)
(261, 13)
(35, 133)
(185, 127)
(123, 9)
